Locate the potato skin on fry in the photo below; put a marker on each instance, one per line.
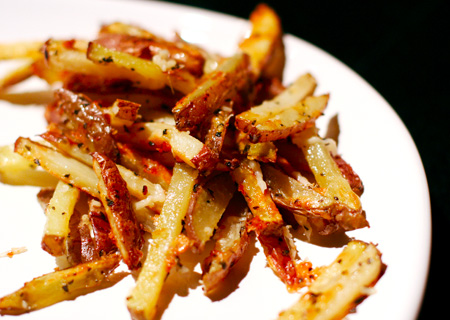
(116, 200)
(58, 286)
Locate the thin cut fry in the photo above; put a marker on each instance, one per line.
(341, 286)
(58, 213)
(118, 207)
(142, 300)
(58, 286)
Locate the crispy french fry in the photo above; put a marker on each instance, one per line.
(260, 151)
(143, 298)
(58, 286)
(82, 176)
(118, 207)
(151, 71)
(329, 176)
(250, 182)
(341, 286)
(64, 59)
(289, 121)
(211, 93)
(265, 43)
(162, 136)
(303, 87)
(58, 213)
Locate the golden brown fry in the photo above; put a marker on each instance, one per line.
(117, 203)
(330, 178)
(211, 94)
(265, 43)
(165, 137)
(250, 182)
(82, 176)
(341, 286)
(289, 121)
(260, 151)
(143, 298)
(58, 286)
(156, 73)
(277, 115)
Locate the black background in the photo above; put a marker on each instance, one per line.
(399, 47)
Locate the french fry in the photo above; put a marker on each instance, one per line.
(250, 182)
(329, 176)
(144, 164)
(302, 199)
(82, 176)
(17, 75)
(59, 286)
(155, 74)
(118, 207)
(66, 59)
(165, 137)
(143, 298)
(341, 286)
(18, 50)
(232, 240)
(265, 43)
(287, 122)
(58, 213)
(286, 106)
(17, 170)
(208, 203)
(215, 88)
(260, 151)
(126, 29)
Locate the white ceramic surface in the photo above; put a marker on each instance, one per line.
(373, 140)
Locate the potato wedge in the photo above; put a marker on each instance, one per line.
(58, 286)
(341, 286)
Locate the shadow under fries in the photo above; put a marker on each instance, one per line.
(28, 98)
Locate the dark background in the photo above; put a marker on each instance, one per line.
(399, 47)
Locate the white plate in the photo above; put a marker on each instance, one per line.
(373, 140)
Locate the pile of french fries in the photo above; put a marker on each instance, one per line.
(156, 147)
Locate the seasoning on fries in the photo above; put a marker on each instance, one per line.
(155, 147)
